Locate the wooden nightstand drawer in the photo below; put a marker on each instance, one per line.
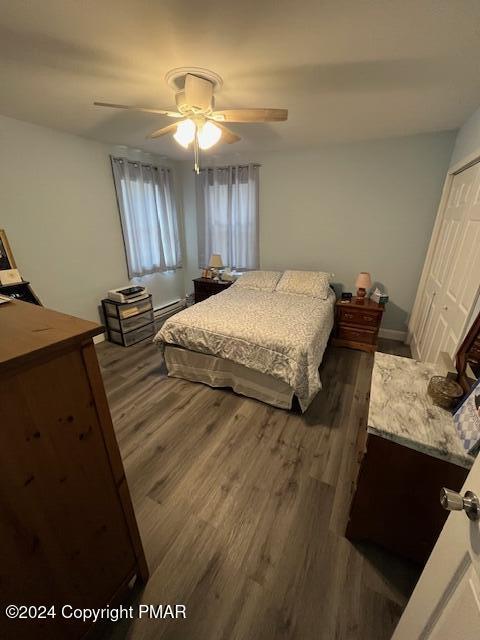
(354, 334)
(203, 290)
(357, 323)
(358, 317)
(205, 287)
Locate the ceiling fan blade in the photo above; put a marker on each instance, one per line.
(227, 134)
(250, 115)
(160, 112)
(163, 131)
(198, 93)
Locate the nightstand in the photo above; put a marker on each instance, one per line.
(357, 324)
(206, 287)
(20, 291)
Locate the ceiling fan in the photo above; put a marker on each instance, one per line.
(199, 123)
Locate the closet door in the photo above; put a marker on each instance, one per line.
(452, 283)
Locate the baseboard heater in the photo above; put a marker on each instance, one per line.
(162, 313)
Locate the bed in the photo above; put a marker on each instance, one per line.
(264, 337)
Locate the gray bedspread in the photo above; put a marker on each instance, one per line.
(281, 334)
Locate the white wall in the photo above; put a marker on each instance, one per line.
(468, 139)
(58, 207)
(347, 208)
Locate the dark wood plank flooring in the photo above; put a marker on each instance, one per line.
(242, 507)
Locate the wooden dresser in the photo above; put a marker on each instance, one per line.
(406, 452)
(357, 324)
(206, 287)
(68, 533)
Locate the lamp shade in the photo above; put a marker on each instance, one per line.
(363, 280)
(185, 133)
(216, 261)
(208, 135)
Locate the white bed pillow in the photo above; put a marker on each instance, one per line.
(263, 280)
(315, 284)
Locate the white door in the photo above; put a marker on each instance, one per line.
(445, 604)
(452, 283)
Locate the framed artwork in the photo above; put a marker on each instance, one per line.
(7, 261)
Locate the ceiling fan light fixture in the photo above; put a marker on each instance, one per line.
(199, 124)
(208, 135)
(185, 133)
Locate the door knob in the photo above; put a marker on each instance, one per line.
(453, 501)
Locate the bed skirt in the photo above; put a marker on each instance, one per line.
(218, 372)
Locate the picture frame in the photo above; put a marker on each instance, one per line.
(7, 261)
(467, 420)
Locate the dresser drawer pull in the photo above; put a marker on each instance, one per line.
(360, 335)
(359, 317)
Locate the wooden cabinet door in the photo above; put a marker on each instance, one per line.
(63, 535)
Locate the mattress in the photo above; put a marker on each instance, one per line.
(280, 334)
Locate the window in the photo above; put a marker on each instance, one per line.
(146, 201)
(227, 215)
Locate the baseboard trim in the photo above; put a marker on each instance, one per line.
(99, 338)
(393, 334)
(413, 348)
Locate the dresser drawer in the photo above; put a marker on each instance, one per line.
(129, 309)
(358, 317)
(354, 334)
(130, 324)
(132, 337)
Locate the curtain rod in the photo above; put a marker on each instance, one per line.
(139, 162)
(239, 166)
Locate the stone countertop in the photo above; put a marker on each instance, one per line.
(402, 411)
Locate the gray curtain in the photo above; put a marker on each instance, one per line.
(227, 215)
(147, 204)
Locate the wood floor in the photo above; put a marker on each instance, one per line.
(242, 507)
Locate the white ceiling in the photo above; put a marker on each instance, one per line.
(345, 69)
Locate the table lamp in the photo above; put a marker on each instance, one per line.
(215, 264)
(363, 282)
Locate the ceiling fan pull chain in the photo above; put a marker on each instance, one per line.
(197, 155)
